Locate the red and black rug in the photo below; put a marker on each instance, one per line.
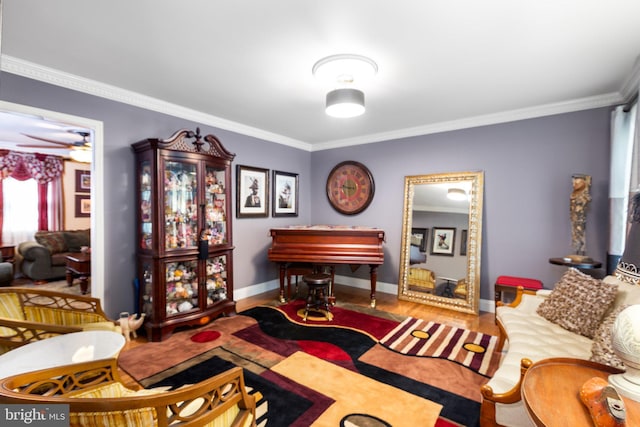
(358, 369)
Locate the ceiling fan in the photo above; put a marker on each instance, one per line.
(77, 145)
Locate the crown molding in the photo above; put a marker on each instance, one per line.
(69, 81)
(484, 120)
(55, 77)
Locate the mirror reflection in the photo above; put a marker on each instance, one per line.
(441, 240)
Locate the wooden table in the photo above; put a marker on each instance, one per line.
(79, 265)
(585, 265)
(8, 252)
(550, 392)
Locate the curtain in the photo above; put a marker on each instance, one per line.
(44, 169)
(624, 151)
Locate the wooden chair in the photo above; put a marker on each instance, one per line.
(97, 397)
(31, 314)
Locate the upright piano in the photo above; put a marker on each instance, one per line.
(328, 245)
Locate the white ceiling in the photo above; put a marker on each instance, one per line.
(246, 65)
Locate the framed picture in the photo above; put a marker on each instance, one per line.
(419, 238)
(252, 192)
(83, 181)
(83, 205)
(463, 242)
(285, 194)
(442, 240)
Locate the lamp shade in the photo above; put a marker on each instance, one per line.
(345, 103)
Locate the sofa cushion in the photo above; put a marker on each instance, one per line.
(52, 240)
(76, 239)
(578, 302)
(602, 348)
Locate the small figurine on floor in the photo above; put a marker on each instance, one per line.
(129, 324)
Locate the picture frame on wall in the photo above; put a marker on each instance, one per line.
(83, 181)
(252, 192)
(83, 206)
(284, 194)
(443, 240)
(463, 242)
(419, 238)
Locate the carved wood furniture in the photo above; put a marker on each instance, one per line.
(550, 391)
(97, 397)
(184, 236)
(31, 314)
(79, 265)
(328, 245)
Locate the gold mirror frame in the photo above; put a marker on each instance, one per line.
(470, 304)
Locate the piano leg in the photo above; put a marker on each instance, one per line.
(283, 273)
(373, 272)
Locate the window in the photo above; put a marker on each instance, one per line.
(20, 210)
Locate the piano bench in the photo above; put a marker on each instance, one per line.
(318, 284)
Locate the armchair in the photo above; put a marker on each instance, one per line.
(97, 397)
(31, 314)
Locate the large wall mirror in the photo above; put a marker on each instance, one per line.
(441, 240)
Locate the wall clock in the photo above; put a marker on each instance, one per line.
(350, 187)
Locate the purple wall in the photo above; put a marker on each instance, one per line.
(527, 164)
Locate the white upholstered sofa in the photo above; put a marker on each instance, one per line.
(531, 337)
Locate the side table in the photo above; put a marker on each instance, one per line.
(79, 265)
(8, 252)
(551, 387)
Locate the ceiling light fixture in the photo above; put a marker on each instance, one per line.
(456, 194)
(345, 103)
(82, 155)
(343, 72)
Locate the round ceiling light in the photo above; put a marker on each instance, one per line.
(456, 194)
(344, 69)
(345, 103)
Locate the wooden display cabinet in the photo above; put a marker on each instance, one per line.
(184, 237)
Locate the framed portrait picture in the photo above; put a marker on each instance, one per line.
(285, 194)
(442, 240)
(463, 242)
(83, 181)
(252, 192)
(83, 205)
(419, 238)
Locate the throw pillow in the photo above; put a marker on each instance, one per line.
(602, 348)
(75, 240)
(52, 240)
(578, 302)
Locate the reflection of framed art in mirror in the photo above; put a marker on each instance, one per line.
(419, 238)
(443, 240)
(463, 242)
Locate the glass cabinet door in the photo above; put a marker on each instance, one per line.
(181, 286)
(146, 207)
(215, 206)
(181, 205)
(216, 279)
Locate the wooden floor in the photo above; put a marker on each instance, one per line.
(485, 322)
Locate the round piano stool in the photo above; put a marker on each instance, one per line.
(318, 296)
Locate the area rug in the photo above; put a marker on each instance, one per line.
(319, 372)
